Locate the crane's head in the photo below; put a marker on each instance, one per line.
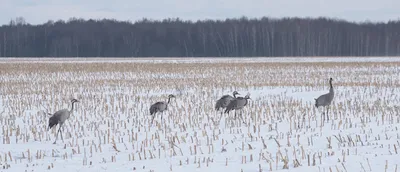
(74, 101)
(330, 80)
(171, 96)
(235, 93)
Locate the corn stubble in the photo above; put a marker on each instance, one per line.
(284, 131)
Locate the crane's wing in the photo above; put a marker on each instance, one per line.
(223, 102)
(218, 104)
(155, 107)
(231, 105)
(226, 96)
(60, 115)
(53, 121)
(320, 101)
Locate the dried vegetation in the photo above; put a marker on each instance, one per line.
(284, 131)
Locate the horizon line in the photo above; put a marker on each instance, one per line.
(201, 20)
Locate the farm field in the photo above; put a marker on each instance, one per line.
(111, 130)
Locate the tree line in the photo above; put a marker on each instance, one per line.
(238, 37)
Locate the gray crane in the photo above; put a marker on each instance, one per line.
(238, 104)
(325, 100)
(160, 107)
(60, 117)
(224, 101)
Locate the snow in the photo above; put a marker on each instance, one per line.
(281, 120)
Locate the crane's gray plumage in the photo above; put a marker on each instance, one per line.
(325, 100)
(60, 117)
(238, 104)
(160, 107)
(224, 101)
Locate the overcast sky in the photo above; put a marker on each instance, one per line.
(40, 11)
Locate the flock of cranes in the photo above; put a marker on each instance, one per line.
(226, 102)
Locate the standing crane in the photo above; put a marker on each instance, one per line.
(60, 117)
(160, 107)
(325, 100)
(238, 104)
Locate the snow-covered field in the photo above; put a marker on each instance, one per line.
(110, 128)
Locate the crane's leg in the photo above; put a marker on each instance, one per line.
(219, 120)
(241, 117)
(327, 112)
(323, 115)
(152, 119)
(61, 133)
(57, 135)
(56, 138)
(162, 114)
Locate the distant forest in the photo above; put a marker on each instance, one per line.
(240, 37)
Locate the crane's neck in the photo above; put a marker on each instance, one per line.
(72, 106)
(169, 99)
(331, 87)
(234, 95)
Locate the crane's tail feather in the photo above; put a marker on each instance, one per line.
(153, 110)
(227, 110)
(219, 104)
(52, 122)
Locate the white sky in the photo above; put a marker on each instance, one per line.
(40, 11)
